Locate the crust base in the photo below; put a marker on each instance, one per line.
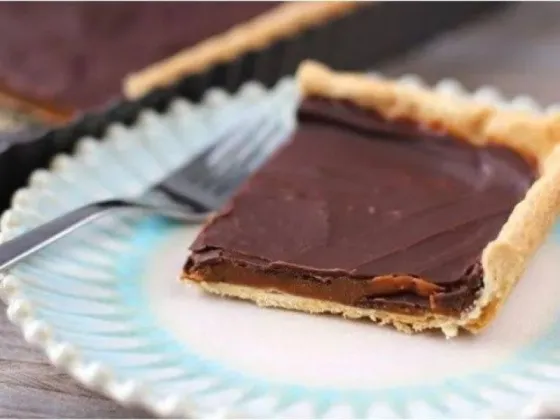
(38, 110)
(271, 298)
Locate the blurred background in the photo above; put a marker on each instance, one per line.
(514, 47)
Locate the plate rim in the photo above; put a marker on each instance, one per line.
(65, 355)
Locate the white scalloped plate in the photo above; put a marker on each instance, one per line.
(106, 305)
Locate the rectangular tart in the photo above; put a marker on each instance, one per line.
(391, 202)
(78, 54)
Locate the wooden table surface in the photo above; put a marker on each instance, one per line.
(517, 50)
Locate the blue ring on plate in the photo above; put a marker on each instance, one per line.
(154, 230)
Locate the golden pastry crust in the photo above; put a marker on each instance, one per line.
(504, 260)
(276, 299)
(534, 136)
(280, 22)
(37, 110)
(531, 135)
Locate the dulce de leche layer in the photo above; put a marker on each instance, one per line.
(74, 55)
(366, 212)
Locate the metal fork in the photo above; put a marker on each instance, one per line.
(188, 194)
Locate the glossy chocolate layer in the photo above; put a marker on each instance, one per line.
(366, 212)
(75, 55)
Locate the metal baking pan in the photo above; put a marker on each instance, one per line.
(357, 41)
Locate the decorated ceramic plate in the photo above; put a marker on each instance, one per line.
(106, 305)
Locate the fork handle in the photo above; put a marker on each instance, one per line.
(14, 250)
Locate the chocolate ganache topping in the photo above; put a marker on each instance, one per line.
(76, 54)
(366, 212)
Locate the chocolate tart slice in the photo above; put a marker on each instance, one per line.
(390, 202)
(77, 54)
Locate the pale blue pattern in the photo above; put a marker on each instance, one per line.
(91, 297)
